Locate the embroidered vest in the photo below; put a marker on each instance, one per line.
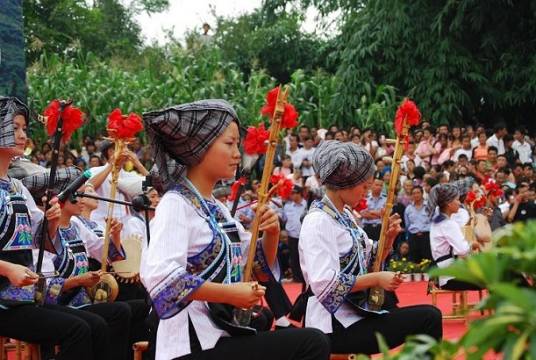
(16, 241)
(72, 261)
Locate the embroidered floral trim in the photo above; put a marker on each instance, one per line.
(81, 299)
(54, 289)
(261, 268)
(12, 293)
(334, 295)
(171, 295)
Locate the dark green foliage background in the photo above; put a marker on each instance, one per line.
(12, 64)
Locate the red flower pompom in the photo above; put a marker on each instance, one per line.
(234, 188)
(72, 119)
(470, 197)
(123, 127)
(408, 111)
(284, 185)
(290, 115)
(255, 141)
(492, 188)
(476, 200)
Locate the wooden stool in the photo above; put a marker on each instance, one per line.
(29, 351)
(342, 357)
(461, 308)
(139, 348)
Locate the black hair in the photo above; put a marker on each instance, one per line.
(499, 126)
(419, 172)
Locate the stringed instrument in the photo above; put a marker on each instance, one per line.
(477, 229)
(121, 130)
(107, 289)
(407, 115)
(243, 316)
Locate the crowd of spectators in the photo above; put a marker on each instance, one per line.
(434, 155)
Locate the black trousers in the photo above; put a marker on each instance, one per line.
(295, 344)
(283, 255)
(277, 299)
(454, 284)
(114, 321)
(295, 259)
(49, 325)
(419, 247)
(360, 337)
(373, 231)
(139, 330)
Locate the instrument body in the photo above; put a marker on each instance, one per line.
(41, 283)
(377, 294)
(243, 316)
(478, 229)
(128, 270)
(107, 289)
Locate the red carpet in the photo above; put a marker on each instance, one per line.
(414, 293)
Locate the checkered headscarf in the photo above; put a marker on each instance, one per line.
(38, 182)
(181, 135)
(9, 107)
(20, 167)
(342, 165)
(440, 195)
(464, 185)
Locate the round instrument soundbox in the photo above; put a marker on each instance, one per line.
(128, 270)
(105, 291)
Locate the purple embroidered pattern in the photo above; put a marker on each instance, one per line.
(81, 299)
(333, 297)
(170, 296)
(13, 293)
(54, 289)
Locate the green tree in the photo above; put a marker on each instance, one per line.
(272, 42)
(12, 61)
(103, 27)
(458, 60)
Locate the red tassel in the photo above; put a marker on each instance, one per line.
(290, 115)
(478, 200)
(72, 116)
(492, 188)
(406, 111)
(123, 127)
(284, 185)
(255, 141)
(234, 188)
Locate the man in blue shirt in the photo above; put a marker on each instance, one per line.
(372, 216)
(292, 216)
(417, 223)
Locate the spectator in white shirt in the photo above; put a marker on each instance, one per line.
(294, 151)
(466, 149)
(101, 180)
(304, 133)
(306, 156)
(522, 147)
(497, 138)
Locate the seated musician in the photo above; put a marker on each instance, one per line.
(197, 250)
(446, 237)
(20, 218)
(335, 255)
(110, 322)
